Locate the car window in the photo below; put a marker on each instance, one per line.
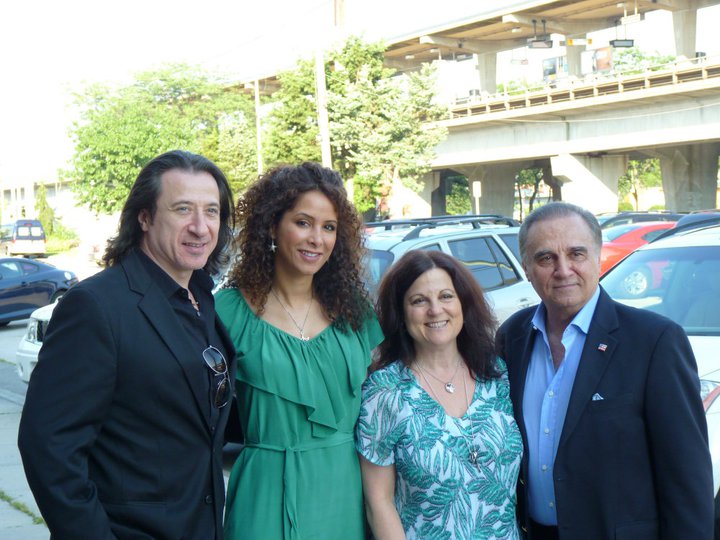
(10, 269)
(376, 263)
(652, 235)
(28, 268)
(679, 283)
(490, 266)
(611, 233)
(512, 241)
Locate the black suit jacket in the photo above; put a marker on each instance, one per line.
(634, 465)
(115, 433)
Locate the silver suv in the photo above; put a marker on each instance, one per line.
(488, 245)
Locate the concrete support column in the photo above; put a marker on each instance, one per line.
(689, 175)
(590, 182)
(498, 185)
(486, 65)
(685, 29)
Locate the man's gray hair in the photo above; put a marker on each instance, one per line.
(555, 210)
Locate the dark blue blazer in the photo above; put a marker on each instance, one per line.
(116, 434)
(634, 465)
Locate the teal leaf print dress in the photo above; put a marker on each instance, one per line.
(439, 493)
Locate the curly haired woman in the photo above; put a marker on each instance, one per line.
(303, 326)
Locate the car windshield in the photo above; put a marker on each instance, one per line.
(610, 234)
(682, 284)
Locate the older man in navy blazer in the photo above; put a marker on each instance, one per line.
(122, 431)
(607, 400)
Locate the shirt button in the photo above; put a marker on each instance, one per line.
(544, 468)
(208, 499)
(546, 430)
(551, 393)
(552, 504)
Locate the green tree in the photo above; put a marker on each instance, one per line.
(634, 60)
(640, 174)
(381, 125)
(459, 200)
(43, 210)
(120, 130)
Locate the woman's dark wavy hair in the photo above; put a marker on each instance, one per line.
(475, 341)
(145, 193)
(338, 285)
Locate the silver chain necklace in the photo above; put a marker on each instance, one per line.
(449, 386)
(301, 328)
(473, 452)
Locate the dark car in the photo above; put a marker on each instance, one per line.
(26, 285)
(624, 218)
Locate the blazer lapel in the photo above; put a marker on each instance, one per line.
(162, 318)
(521, 348)
(596, 356)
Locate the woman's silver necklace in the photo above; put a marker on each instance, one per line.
(473, 453)
(301, 328)
(449, 386)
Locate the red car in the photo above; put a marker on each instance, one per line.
(620, 241)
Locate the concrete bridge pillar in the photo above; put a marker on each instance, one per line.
(590, 182)
(685, 30)
(689, 175)
(486, 65)
(498, 185)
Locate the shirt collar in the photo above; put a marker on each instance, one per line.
(167, 285)
(582, 319)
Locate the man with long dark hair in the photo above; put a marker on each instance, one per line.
(122, 431)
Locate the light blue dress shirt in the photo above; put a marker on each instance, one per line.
(545, 402)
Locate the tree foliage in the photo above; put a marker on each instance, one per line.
(177, 106)
(43, 210)
(640, 174)
(380, 123)
(634, 60)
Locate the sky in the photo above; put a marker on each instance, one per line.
(51, 48)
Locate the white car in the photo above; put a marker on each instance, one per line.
(26, 356)
(678, 276)
(487, 245)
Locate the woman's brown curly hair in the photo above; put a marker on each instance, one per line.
(338, 285)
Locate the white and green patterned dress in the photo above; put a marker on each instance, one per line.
(439, 494)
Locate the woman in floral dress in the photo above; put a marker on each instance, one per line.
(440, 449)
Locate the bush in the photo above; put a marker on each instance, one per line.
(624, 206)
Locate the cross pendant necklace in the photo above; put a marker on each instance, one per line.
(300, 328)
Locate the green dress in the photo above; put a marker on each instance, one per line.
(298, 476)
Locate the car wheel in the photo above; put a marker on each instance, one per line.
(57, 296)
(637, 282)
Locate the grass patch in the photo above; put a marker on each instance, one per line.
(3, 361)
(37, 520)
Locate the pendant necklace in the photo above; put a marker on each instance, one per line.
(301, 328)
(449, 386)
(473, 453)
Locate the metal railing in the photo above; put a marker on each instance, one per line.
(571, 89)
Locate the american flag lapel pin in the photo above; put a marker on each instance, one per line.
(602, 347)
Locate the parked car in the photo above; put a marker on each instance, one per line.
(24, 237)
(26, 356)
(621, 240)
(26, 285)
(624, 218)
(490, 251)
(685, 288)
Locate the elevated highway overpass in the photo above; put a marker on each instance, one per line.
(584, 132)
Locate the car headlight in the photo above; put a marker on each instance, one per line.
(709, 391)
(31, 331)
